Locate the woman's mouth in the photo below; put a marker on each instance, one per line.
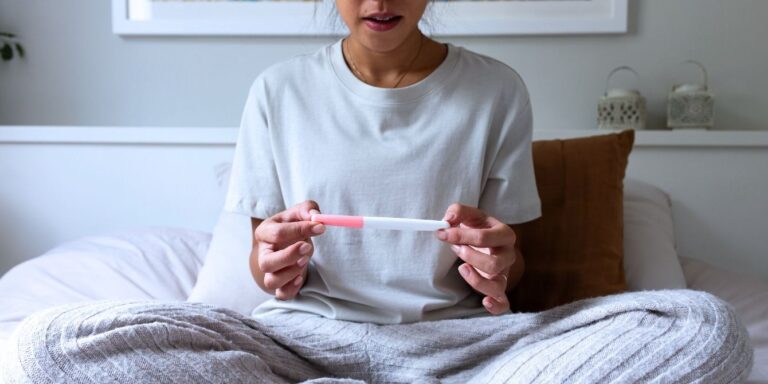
(381, 23)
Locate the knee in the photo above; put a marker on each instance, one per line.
(705, 308)
(85, 335)
(27, 355)
(702, 312)
(716, 328)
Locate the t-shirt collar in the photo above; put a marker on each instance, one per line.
(391, 95)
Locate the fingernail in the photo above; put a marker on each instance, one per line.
(449, 217)
(455, 248)
(489, 304)
(305, 248)
(464, 270)
(442, 235)
(314, 212)
(298, 281)
(303, 261)
(318, 229)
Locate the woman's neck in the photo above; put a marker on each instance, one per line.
(407, 64)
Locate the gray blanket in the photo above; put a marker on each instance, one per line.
(663, 336)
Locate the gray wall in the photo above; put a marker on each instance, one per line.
(79, 73)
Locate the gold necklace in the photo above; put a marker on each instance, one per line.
(365, 79)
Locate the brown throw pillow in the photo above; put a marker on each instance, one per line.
(575, 249)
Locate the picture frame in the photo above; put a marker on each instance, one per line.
(308, 18)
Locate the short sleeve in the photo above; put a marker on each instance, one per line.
(510, 192)
(254, 186)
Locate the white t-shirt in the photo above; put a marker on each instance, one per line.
(312, 130)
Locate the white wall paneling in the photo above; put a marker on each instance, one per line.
(60, 183)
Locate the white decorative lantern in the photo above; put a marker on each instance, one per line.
(621, 109)
(691, 106)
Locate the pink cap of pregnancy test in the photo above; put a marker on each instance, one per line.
(338, 220)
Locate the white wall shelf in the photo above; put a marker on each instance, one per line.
(118, 135)
(228, 136)
(666, 138)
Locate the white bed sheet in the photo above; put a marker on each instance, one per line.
(162, 264)
(747, 295)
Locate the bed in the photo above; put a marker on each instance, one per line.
(163, 263)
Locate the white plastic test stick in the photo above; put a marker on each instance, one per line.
(391, 223)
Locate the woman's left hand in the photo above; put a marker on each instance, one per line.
(487, 246)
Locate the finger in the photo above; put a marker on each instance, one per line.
(494, 287)
(495, 306)
(287, 233)
(459, 213)
(283, 277)
(491, 261)
(496, 236)
(297, 254)
(290, 290)
(299, 212)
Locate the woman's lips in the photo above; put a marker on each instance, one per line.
(382, 25)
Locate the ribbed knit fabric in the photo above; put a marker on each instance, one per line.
(677, 336)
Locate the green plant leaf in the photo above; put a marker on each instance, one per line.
(20, 50)
(6, 52)
(6, 34)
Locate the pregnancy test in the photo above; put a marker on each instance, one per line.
(392, 223)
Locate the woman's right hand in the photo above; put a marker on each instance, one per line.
(283, 247)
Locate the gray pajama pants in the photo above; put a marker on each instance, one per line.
(662, 336)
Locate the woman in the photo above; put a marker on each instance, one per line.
(386, 122)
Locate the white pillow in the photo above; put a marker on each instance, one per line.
(144, 264)
(225, 279)
(650, 255)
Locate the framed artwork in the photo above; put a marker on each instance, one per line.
(316, 17)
